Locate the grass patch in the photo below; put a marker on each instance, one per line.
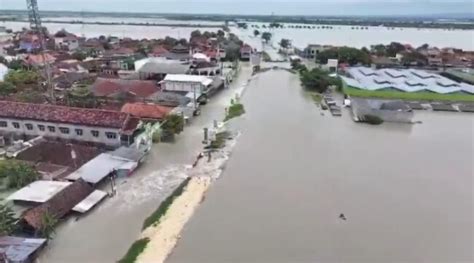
(135, 250)
(266, 57)
(161, 211)
(235, 110)
(317, 98)
(219, 142)
(391, 94)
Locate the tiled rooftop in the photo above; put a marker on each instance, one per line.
(61, 114)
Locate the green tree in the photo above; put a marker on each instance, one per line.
(195, 33)
(7, 88)
(21, 77)
(379, 50)
(414, 57)
(8, 220)
(3, 61)
(394, 48)
(173, 124)
(348, 55)
(79, 55)
(220, 33)
(15, 64)
(285, 43)
(232, 52)
(256, 32)
(315, 80)
(18, 174)
(266, 36)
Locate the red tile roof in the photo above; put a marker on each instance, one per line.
(103, 87)
(159, 51)
(59, 205)
(62, 114)
(38, 59)
(146, 111)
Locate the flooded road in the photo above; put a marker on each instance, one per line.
(105, 234)
(406, 190)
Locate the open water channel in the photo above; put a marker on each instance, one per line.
(406, 190)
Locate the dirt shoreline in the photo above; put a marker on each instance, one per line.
(165, 235)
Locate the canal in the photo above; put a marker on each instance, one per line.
(406, 190)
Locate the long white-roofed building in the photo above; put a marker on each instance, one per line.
(405, 80)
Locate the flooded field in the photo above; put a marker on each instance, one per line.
(350, 36)
(338, 35)
(406, 190)
(136, 32)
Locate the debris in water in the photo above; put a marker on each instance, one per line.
(343, 217)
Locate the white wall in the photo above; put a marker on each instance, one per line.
(183, 86)
(86, 131)
(3, 71)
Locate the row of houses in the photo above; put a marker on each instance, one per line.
(75, 147)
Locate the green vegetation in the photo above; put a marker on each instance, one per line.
(423, 95)
(235, 110)
(79, 55)
(349, 55)
(48, 221)
(390, 50)
(81, 97)
(317, 98)
(371, 119)
(16, 174)
(135, 250)
(267, 36)
(22, 77)
(414, 58)
(154, 218)
(315, 80)
(7, 88)
(285, 43)
(8, 220)
(16, 64)
(256, 32)
(266, 57)
(296, 65)
(173, 124)
(219, 142)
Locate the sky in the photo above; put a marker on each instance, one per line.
(263, 7)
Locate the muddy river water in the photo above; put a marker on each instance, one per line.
(405, 190)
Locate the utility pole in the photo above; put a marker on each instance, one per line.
(35, 25)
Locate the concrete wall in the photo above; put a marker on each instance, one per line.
(86, 131)
(183, 86)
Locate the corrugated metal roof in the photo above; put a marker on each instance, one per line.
(100, 167)
(18, 249)
(404, 80)
(188, 78)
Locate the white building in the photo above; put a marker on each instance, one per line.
(66, 43)
(3, 71)
(187, 83)
(91, 125)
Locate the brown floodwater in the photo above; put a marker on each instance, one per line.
(406, 190)
(105, 234)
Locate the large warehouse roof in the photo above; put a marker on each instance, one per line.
(408, 80)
